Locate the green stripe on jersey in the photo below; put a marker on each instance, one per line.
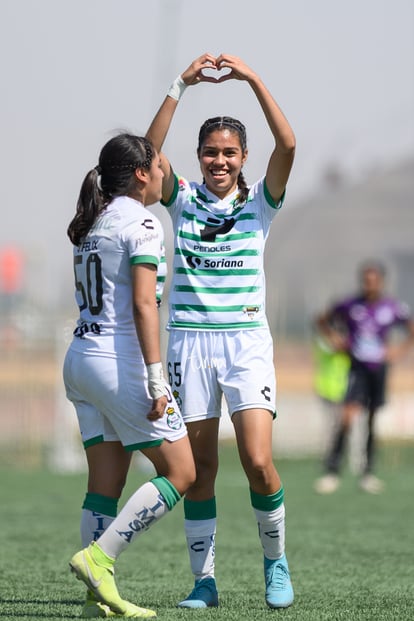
(247, 325)
(220, 238)
(190, 289)
(209, 309)
(274, 204)
(143, 258)
(219, 272)
(173, 195)
(192, 216)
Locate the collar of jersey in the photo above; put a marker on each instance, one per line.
(224, 205)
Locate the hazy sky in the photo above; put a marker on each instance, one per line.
(73, 72)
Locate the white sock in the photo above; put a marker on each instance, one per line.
(272, 531)
(201, 536)
(142, 510)
(92, 525)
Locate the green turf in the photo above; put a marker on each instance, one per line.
(351, 554)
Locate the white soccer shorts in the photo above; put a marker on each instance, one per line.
(203, 366)
(112, 402)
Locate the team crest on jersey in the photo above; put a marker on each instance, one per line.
(174, 420)
(251, 311)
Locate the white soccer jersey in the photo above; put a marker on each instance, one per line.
(218, 280)
(161, 275)
(125, 234)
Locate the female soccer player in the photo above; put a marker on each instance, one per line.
(112, 370)
(219, 341)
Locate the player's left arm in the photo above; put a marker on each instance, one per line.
(281, 159)
(147, 323)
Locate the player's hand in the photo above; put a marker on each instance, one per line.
(194, 73)
(238, 69)
(158, 408)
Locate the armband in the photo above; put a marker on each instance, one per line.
(177, 88)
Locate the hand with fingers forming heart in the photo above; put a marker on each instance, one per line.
(208, 68)
(194, 73)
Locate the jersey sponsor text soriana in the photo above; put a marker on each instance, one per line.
(218, 280)
(125, 234)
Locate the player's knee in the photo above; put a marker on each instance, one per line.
(259, 469)
(206, 470)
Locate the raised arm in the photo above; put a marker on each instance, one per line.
(281, 159)
(158, 130)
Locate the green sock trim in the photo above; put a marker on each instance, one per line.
(99, 556)
(101, 504)
(200, 509)
(267, 503)
(167, 490)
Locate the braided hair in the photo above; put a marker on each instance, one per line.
(236, 127)
(112, 177)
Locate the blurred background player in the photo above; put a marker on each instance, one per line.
(367, 319)
(331, 369)
(112, 370)
(219, 340)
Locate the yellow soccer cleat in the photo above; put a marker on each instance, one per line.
(96, 570)
(92, 609)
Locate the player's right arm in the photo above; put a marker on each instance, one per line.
(158, 130)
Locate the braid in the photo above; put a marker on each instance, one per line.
(243, 189)
(223, 122)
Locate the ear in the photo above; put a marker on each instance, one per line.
(244, 157)
(142, 175)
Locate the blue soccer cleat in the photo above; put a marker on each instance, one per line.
(279, 590)
(203, 595)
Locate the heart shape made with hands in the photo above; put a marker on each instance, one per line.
(213, 72)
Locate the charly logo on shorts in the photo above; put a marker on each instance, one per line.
(174, 420)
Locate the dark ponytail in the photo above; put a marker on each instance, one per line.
(114, 176)
(90, 204)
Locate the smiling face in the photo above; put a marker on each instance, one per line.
(221, 159)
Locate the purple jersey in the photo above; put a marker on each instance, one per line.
(368, 325)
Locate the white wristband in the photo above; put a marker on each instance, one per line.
(177, 88)
(156, 381)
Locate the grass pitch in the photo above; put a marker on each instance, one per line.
(350, 554)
